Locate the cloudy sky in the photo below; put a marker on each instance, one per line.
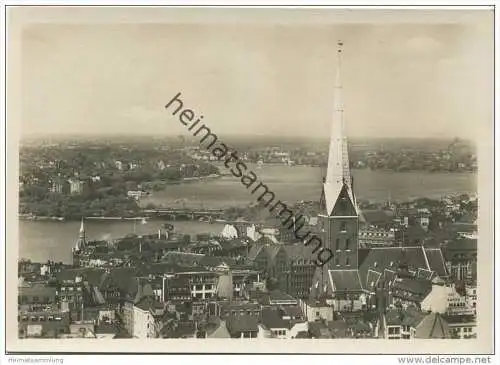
(259, 72)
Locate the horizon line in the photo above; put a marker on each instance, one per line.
(228, 135)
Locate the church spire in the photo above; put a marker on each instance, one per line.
(82, 229)
(338, 174)
(81, 242)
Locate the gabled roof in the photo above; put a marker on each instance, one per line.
(96, 295)
(254, 251)
(179, 330)
(120, 278)
(345, 280)
(272, 251)
(148, 303)
(292, 310)
(319, 330)
(433, 326)
(92, 275)
(214, 261)
(436, 261)
(277, 295)
(409, 317)
(333, 192)
(138, 289)
(271, 318)
(411, 289)
(242, 323)
(379, 259)
(184, 258)
(338, 328)
(218, 330)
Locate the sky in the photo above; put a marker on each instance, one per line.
(252, 73)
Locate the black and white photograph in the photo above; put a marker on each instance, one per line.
(250, 179)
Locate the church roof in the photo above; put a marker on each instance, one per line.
(436, 261)
(345, 280)
(383, 264)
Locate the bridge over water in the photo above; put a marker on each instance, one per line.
(184, 213)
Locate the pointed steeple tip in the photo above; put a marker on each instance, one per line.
(82, 227)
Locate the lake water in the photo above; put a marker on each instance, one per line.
(41, 241)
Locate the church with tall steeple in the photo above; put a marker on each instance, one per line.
(339, 217)
(354, 274)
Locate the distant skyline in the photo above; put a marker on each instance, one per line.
(400, 80)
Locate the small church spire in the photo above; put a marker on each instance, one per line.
(82, 229)
(81, 242)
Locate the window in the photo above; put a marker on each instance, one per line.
(347, 243)
(393, 330)
(337, 244)
(337, 261)
(347, 261)
(342, 226)
(343, 203)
